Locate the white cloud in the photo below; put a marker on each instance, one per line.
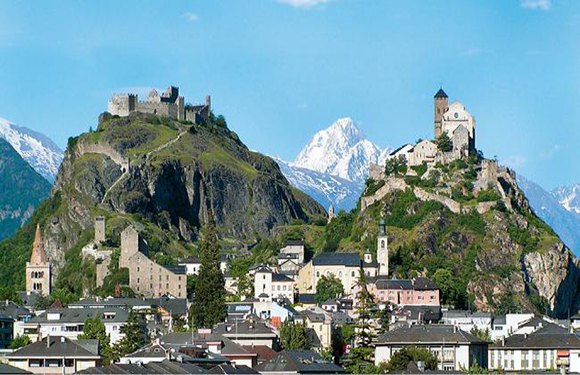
(191, 17)
(536, 4)
(305, 4)
(548, 154)
(516, 161)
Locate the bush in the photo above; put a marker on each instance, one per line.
(472, 221)
(420, 169)
(396, 166)
(443, 142)
(487, 195)
(372, 186)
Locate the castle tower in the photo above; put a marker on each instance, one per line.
(383, 249)
(331, 213)
(130, 244)
(38, 270)
(100, 225)
(441, 105)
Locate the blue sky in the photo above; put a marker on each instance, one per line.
(282, 70)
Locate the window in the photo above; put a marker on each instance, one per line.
(524, 362)
(382, 244)
(69, 362)
(340, 274)
(35, 363)
(352, 274)
(317, 274)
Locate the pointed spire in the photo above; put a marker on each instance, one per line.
(38, 254)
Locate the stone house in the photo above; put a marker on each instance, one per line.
(416, 292)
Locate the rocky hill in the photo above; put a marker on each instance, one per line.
(167, 177)
(467, 225)
(22, 190)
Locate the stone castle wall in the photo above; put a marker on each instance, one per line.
(102, 148)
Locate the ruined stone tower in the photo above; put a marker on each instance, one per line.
(100, 230)
(441, 105)
(38, 270)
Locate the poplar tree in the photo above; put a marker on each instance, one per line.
(209, 299)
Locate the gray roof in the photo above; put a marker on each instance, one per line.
(307, 298)
(28, 299)
(184, 339)
(178, 270)
(7, 369)
(430, 333)
(300, 361)
(341, 259)
(428, 313)
(540, 341)
(441, 94)
(13, 310)
(423, 283)
(149, 351)
(192, 259)
(232, 369)
(175, 305)
(245, 327)
(92, 345)
(280, 277)
(390, 284)
(59, 347)
(163, 367)
(294, 243)
(81, 315)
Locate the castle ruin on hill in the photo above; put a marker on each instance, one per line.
(168, 104)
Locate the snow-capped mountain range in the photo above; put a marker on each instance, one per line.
(568, 197)
(334, 164)
(36, 148)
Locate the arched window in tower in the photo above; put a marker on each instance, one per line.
(382, 244)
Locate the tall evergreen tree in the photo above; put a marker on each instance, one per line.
(209, 300)
(294, 336)
(134, 336)
(361, 356)
(95, 329)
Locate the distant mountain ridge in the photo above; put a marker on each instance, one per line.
(36, 148)
(334, 164)
(22, 190)
(568, 197)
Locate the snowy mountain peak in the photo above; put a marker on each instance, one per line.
(36, 148)
(568, 197)
(340, 150)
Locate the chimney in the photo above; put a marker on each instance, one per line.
(48, 341)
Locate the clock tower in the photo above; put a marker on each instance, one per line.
(383, 249)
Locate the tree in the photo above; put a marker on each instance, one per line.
(94, 329)
(134, 336)
(209, 300)
(190, 285)
(449, 288)
(396, 166)
(294, 336)
(443, 142)
(482, 334)
(383, 317)
(361, 356)
(245, 287)
(400, 359)
(19, 342)
(328, 287)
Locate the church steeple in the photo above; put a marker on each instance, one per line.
(383, 249)
(38, 254)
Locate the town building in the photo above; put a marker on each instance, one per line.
(192, 265)
(344, 266)
(146, 277)
(456, 350)
(295, 247)
(6, 330)
(298, 362)
(271, 285)
(250, 331)
(38, 270)
(69, 323)
(409, 315)
(403, 292)
(319, 325)
(55, 355)
(19, 314)
(169, 103)
(163, 367)
(539, 351)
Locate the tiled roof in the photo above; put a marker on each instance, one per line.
(232, 369)
(163, 367)
(13, 310)
(540, 341)
(341, 259)
(430, 333)
(264, 352)
(192, 259)
(58, 346)
(299, 361)
(280, 277)
(294, 243)
(68, 315)
(7, 369)
(441, 94)
(245, 327)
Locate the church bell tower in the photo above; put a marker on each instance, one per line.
(441, 105)
(383, 249)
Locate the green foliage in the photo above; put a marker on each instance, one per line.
(372, 186)
(19, 342)
(340, 227)
(65, 296)
(328, 287)
(209, 306)
(77, 273)
(488, 195)
(472, 221)
(190, 285)
(134, 337)
(400, 359)
(508, 303)
(420, 169)
(360, 360)
(383, 318)
(94, 329)
(294, 336)
(396, 166)
(443, 142)
(400, 216)
(482, 334)
(450, 288)
(523, 237)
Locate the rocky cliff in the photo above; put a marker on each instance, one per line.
(169, 178)
(467, 225)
